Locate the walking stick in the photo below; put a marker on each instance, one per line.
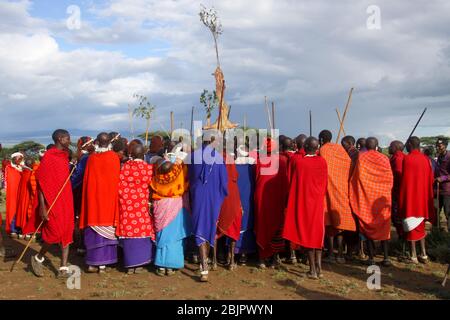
(42, 222)
(438, 214)
(446, 276)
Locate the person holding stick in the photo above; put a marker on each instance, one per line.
(415, 202)
(56, 194)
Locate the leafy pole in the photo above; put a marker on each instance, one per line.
(144, 110)
(211, 20)
(210, 102)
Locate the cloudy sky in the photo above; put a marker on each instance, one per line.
(301, 54)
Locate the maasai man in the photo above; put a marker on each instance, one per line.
(25, 195)
(304, 223)
(299, 142)
(120, 147)
(100, 206)
(442, 176)
(246, 184)
(13, 173)
(338, 213)
(54, 189)
(416, 197)
(271, 194)
(156, 149)
(396, 160)
(286, 147)
(85, 147)
(6, 252)
(230, 217)
(33, 216)
(169, 191)
(135, 229)
(208, 188)
(370, 197)
(361, 145)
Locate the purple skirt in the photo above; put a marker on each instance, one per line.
(137, 252)
(100, 251)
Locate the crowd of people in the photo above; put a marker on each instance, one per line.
(118, 201)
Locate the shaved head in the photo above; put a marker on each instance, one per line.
(361, 143)
(137, 151)
(286, 144)
(300, 141)
(396, 146)
(413, 144)
(372, 143)
(311, 145)
(325, 137)
(103, 140)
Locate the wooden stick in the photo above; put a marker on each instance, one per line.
(340, 121)
(42, 222)
(268, 113)
(446, 276)
(438, 214)
(245, 122)
(171, 122)
(310, 123)
(192, 129)
(345, 114)
(273, 114)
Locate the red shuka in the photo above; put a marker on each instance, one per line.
(305, 218)
(271, 194)
(231, 212)
(416, 188)
(24, 198)
(397, 170)
(51, 175)
(100, 200)
(12, 181)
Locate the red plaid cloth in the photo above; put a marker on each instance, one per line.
(370, 194)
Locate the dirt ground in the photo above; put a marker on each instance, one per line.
(399, 282)
(247, 282)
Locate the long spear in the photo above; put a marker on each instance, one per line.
(415, 127)
(345, 114)
(171, 122)
(192, 128)
(310, 123)
(273, 114)
(42, 222)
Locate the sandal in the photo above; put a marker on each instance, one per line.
(63, 273)
(243, 260)
(37, 266)
(232, 266)
(203, 274)
(138, 270)
(92, 269)
(413, 260)
(312, 276)
(102, 269)
(423, 259)
(161, 272)
(170, 272)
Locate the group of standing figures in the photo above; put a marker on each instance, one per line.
(295, 196)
